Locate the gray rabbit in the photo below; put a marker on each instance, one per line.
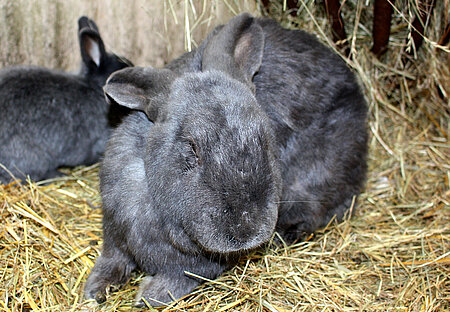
(261, 129)
(50, 118)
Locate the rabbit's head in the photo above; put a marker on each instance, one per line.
(210, 162)
(97, 64)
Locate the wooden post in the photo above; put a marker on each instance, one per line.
(333, 9)
(265, 3)
(418, 25)
(381, 28)
(446, 36)
(290, 5)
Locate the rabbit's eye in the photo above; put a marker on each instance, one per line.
(191, 157)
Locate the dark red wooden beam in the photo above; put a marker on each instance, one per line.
(333, 9)
(446, 36)
(381, 29)
(291, 5)
(265, 3)
(418, 25)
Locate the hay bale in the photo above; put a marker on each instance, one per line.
(393, 255)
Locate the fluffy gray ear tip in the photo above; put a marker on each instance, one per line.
(86, 22)
(111, 79)
(83, 21)
(117, 78)
(245, 19)
(244, 16)
(120, 75)
(245, 22)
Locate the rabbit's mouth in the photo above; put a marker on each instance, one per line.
(221, 236)
(232, 244)
(228, 243)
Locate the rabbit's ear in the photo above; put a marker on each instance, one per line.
(84, 22)
(237, 48)
(92, 47)
(143, 89)
(91, 44)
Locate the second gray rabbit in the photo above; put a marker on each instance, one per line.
(50, 119)
(261, 129)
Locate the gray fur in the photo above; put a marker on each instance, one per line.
(259, 129)
(51, 118)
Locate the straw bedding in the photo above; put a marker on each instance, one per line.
(392, 255)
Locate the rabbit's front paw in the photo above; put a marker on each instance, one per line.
(159, 290)
(107, 271)
(95, 287)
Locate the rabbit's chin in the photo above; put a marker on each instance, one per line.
(227, 243)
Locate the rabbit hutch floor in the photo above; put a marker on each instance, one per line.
(392, 255)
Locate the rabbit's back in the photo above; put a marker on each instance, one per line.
(49, 117)
(318, 115)
(300, 79)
